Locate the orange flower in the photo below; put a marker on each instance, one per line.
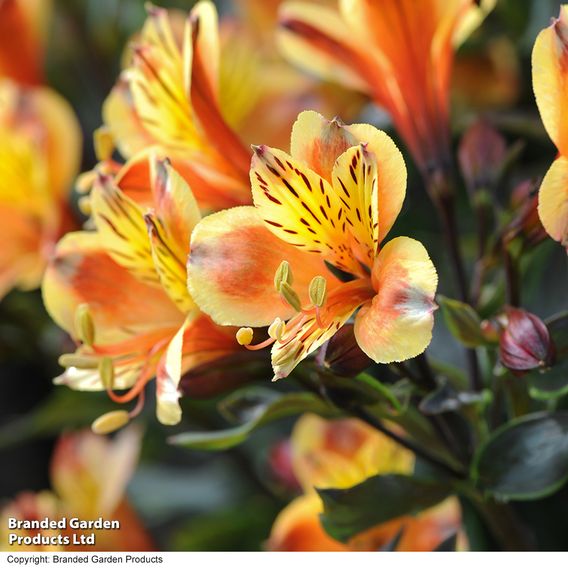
(120, 291)
(191, 85)
(549, 69)
(89, 475)
(23, 30)
(40, 147)
(340, 454)
(330, 203)
(399, 52)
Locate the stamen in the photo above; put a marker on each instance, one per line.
(79, 361)
(139, 405)
(318, 291)
(84, 325)
(283, 275)
(244, 336)
(277, 329)
(106, 372)
(290, 296)
(110, 422)
(104, 143)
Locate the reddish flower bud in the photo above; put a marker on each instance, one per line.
(344, 357)
(525, 343)
(482, 153)
(526, 221)
(281, 468)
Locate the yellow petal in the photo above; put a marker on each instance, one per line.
(122, 230)
(343, 453)
(553, 201)
(168, 376)
(397, 324)
(549, 73)
(300, 207)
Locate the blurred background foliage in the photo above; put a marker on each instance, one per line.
(227, 501)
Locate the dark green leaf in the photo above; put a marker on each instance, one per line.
(378, 499)
(274, 408)
(446, 399)
(526, 458)
(552, 383)
(462, 321)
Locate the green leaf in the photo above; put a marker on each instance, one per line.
(558, 328)
(377, 500)
(271, 408)
(526, 458)
(552, 383)
(462, 321)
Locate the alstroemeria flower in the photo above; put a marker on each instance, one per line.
(340, 454)
(40, 147)
(89, 475)
(121, 291)
(331, 202)
(399, 52)
(201, 91)
(23, 31)
(550, 73)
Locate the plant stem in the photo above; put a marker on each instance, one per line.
(441, 192)
(511, 277)
(376, 423)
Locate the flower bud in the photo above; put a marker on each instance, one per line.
(481, 155)
(343, 355)
(281, 467)
(525, 343)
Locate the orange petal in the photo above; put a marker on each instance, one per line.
(343, 453)
(81, 271)
(553, 201)
(397, 324)
(297, 528)
(549, 72)
(231, 269)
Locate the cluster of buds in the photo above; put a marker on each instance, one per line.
(525, 343)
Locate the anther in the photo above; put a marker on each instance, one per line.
(283, 274)
(318, 291)
(110, 422)
(84, 325)
(78, 361)
(277, 329)
(244, 336)
(106, 372)
(290, 296)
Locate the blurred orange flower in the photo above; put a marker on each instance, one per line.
(120, 291)
(201, 92)
(23, 31)
(340, 454)
(89, 475)
(40, 149)
(550, 72)
(399, 52)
